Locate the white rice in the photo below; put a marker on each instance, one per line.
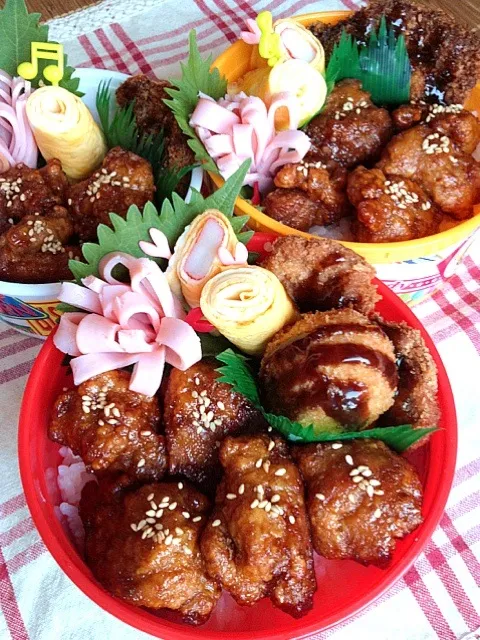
(339, 231)
(72, 476)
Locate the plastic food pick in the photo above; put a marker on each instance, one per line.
(44, 51)
(270, 45)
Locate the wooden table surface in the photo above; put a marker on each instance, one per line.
(466, 10)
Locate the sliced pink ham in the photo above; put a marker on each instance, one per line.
(239, 127)
(17, 143)
(140, 323)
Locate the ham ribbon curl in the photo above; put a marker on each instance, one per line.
(141, 323)
(241, 127)
(17, 143)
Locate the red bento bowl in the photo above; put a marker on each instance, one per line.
(344, 587)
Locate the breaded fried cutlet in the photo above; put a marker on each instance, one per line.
(330, 369)
(416, 402)
(320, 274)
(445, 55)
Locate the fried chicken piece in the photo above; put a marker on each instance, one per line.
(112, 428)
(326, 190)
(257, 541)
(445, 55)
(350, 130)
(332, 369)
(436, 161)
(416, 402)
(143, 546)
(408, 115)
(193, 437)
(321, 274)
(36, 249)
(123, 179)
(291, 207)
(361, 515)
(390, 209)
(153, 115)
(25, 191)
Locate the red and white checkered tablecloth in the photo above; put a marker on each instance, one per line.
(440, 596)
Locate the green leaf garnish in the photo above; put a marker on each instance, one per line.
(382, 66)
(172, 220)
(344, 61)
(197, 76)
(236, 372)
(18, 29)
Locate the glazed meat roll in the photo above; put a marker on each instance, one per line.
(199, 412)
(257, 541)
(320, 274)
(112, 428)
(350, 129)
(390, 209)
(416, 402)
(332, 369)
(361, 498)
(123, 179)
(143, 546)
(438, 157)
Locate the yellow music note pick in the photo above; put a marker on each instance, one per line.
(270, 45)
(44, 51)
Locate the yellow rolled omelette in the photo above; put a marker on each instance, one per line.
(247, 305)
(65, 129)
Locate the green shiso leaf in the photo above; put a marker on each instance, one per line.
(197, 76)
(18, 29)
(236, 372)
(172, 219)
(382, 65)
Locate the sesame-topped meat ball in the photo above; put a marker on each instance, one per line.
(143, 546)
(257, 541)
(438, 157)
(199, 412)
(123, 179)
(350, 130)
(320, 274)
(112, 428)
(390, 209)
(361, 498)
(334, 369)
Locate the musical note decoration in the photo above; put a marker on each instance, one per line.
(270, 45)
(44, 51)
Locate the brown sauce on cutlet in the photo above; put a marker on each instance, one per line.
(302, 386)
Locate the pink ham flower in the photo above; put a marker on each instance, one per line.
(140, 323)
(241, 127)
(17, 143)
